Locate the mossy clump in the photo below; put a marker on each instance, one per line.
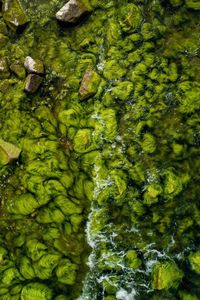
(166, 275)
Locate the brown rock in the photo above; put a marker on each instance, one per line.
(89, 84)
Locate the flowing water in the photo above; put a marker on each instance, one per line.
(103, 201)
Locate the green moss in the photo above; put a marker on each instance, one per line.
(130, 17)
(83, 141)
(36, 290)
(152, 193)
(194, 4)
(194, 259)
(132, 259)
(123, 90)
(166, 275)
(14, 14)
(186, 296)
(66, 272)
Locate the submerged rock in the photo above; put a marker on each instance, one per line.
(8, 152)
(166, 275)
(72, 11)
(89, 84)
(34, 65)
(32, 83)
(14, 14)
(4, 69)
(18, 68)
(194, 260)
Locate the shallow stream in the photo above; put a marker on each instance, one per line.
(103, 200)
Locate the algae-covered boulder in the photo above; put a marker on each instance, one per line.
(89, 84)
(123, 90)
(34, 65)
(32, 83)
(166, 275)
(66, 272)
(132, 260)
(8, 152)
(72, 11)
(83, 141)
(194, 260)
(4, 69)
(37, 291)
(152, 192)
(130, 17)
(24, 204)
(194, 4)
(14, 14)
(18, 69)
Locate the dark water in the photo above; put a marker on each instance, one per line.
(103, 202)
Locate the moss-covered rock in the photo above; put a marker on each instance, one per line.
(194, 259)
(8, 152)
(14, 14)
(166, 275)
(89, 84)
(18, 69)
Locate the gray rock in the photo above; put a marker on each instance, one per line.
(32, 83)
(72, 11)
(34, 65)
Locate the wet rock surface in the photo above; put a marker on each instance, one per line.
(103, 202)
(89, 84)
(72, 11)
(8, 152)
(32, 83)
(18, 68)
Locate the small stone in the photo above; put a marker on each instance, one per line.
(72, 11)
(4, 70)
(8, 152)
(34, 65)
(32, 83)
(18, 68)
(89, 84)
(14, 14)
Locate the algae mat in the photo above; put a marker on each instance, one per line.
(100, 150)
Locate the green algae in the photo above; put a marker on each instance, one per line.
(119, 162)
